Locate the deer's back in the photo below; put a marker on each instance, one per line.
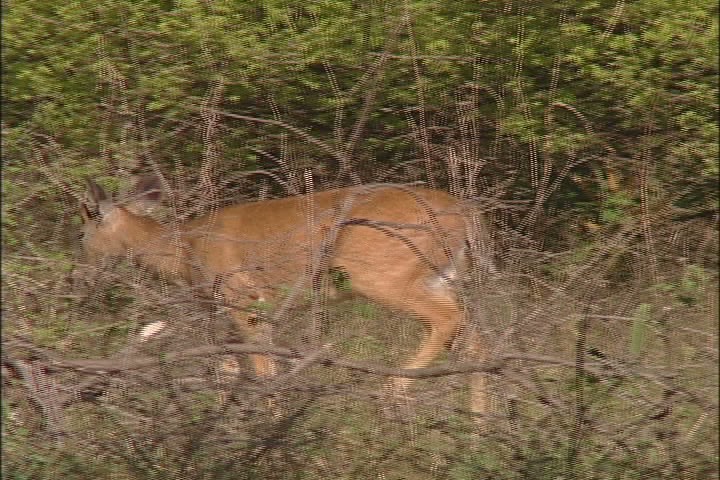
(275, 238)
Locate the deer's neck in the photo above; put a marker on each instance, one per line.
(159, 247)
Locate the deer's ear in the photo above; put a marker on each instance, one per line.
(96, 202)
(94, 193)
(146, 194)
(85, 213)
(148, 187)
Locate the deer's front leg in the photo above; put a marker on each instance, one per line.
(247, 302)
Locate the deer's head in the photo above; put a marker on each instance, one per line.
(111, 228)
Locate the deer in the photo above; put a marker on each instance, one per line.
(399, 246)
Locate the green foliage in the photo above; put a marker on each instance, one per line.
(101, 80)
(615, 206)
(341, 280)
(261, 306)
(689, 288)
(28, 458)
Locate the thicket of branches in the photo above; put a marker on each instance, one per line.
(586, 132)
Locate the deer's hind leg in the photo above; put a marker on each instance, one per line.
(410, 292)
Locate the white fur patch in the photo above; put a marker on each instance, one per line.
(151, 329)
(442, 283)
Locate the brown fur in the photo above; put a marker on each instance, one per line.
(394, 244)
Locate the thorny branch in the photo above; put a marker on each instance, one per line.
(495, 366)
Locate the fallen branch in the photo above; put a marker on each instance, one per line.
(494, 366)
(103, 366)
